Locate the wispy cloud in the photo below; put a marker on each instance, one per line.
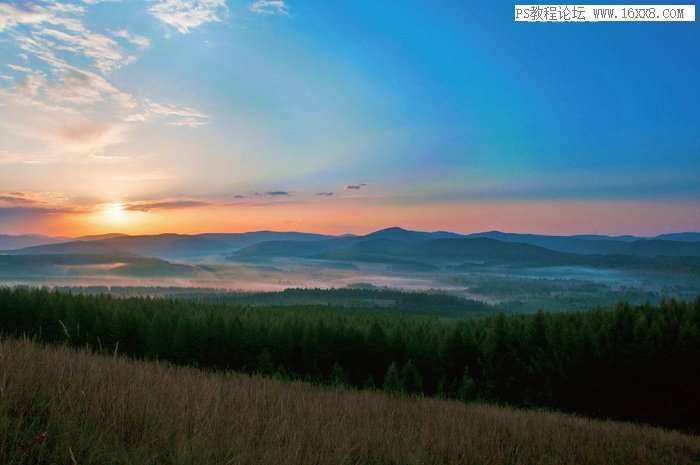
(11, 213)
(269, 7)
(325, 194)
(355, 187)
(186, 15)
(30, 85)
(164, 205)
(95, 2)
(178, 115)
(65, 69)
(36, 200)
(12, 15)
(19, 68)
(105, 52)
(76, 86)
(15, 198)
(58, 27)
(278, 194)
(134, 39)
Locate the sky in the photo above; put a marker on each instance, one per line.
(342, 117)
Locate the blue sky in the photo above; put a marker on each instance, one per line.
(212, 104)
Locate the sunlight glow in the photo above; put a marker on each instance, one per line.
(114, 213)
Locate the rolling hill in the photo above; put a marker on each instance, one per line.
(60, 265)
(669, 245)
(8, 242)
(165, 246)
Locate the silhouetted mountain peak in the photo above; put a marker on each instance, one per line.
(391, 230)
(99, 237)
(398, 233)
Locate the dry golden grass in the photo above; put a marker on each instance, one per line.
(58, 406)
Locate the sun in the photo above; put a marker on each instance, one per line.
(114, 213)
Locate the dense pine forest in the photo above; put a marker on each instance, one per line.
(633, 362)
(434, 303)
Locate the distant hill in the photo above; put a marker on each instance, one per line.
(98, 237)
(291, 248)
(684, 236)
(166, 246)
(416, 251)
(603, 245)
(489, 250)
(659, 247)
(422, 251)
(397, 247)
(30, 266)
(27, 240)
(99, 247)
(401, 234)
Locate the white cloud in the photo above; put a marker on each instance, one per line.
(11, 15)
(95, 2)
(269, 7)
(185, 15)
(177, 114)
(68, 86)
(104, 51)
(56, 28)
(66, 8)
(29, 86)
(135, 39)
(61, 96)
(84, 87)
(173, 110)
(189, 122)
(18, 68)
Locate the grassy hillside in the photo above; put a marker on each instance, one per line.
(62, 406)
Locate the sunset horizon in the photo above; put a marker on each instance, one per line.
(214, 116)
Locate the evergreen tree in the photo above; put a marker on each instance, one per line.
(392, 379)
(338, 376)
(265, 365)
(467, 388)
(411, 378)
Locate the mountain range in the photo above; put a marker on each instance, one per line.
(396, 247)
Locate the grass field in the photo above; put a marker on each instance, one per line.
(59, 406)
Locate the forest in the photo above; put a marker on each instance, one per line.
(365, 296)
(636, 363)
